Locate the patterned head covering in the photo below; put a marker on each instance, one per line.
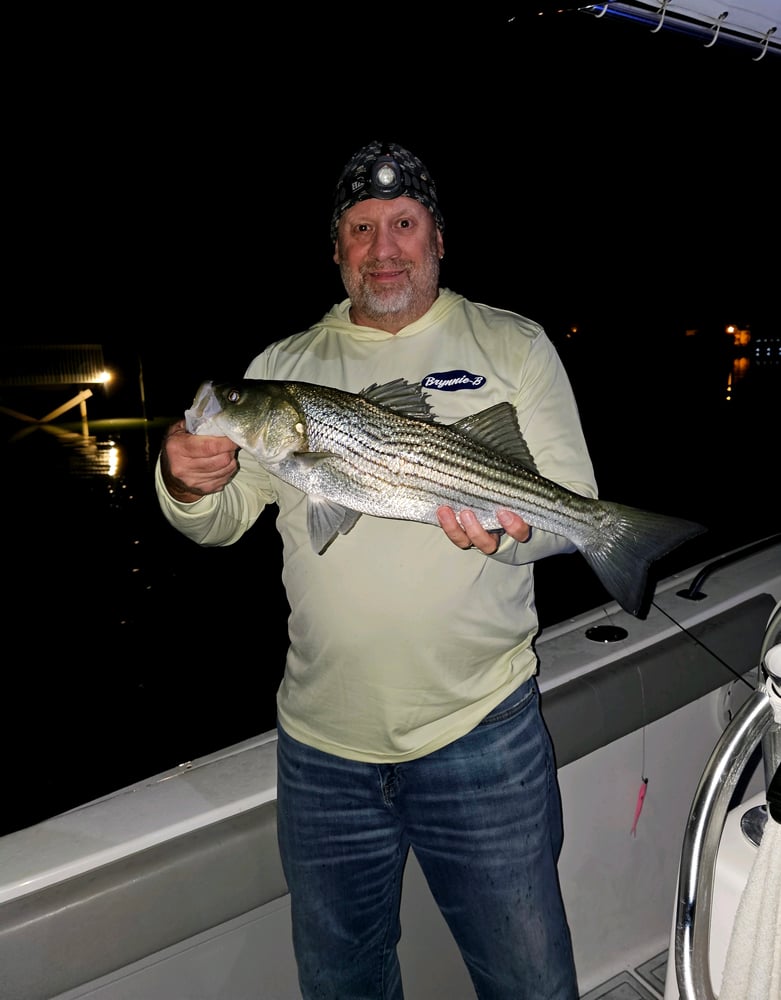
(384, 171)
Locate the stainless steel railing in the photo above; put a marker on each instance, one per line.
(754, 722)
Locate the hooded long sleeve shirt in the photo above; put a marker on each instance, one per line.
(401, 642)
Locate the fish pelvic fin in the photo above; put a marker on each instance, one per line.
(630, 540)
(325, 520)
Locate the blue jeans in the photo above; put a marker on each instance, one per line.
(483, 816)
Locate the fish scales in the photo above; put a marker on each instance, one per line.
(392, 452)
(388, 453)
(382, 452)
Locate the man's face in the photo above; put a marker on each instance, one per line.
(388, 253)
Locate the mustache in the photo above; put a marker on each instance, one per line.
(373, 266)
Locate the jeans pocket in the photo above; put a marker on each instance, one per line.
(513, 704)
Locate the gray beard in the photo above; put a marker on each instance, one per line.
(412, 299)
(390, 302)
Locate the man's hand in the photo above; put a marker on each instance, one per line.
(466, 532)
(194, 465)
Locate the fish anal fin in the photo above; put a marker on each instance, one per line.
(497, 428)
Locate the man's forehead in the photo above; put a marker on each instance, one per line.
(377, 208)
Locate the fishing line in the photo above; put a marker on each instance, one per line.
(643, 777)
(707, 649)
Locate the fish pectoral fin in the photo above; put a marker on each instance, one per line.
(497, 428)
(309, 459)
(325, 520)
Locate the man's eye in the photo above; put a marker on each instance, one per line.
(405, 223)
(362, 227)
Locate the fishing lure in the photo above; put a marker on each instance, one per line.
(639, 805)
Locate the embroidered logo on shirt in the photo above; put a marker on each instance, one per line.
(452, 381)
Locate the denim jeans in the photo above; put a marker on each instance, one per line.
(483, 816)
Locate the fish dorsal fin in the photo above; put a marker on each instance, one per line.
(497, 428)
(401, 396)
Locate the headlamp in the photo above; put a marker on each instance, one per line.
(384, 171)
(386, 179)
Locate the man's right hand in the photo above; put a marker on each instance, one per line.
(193, 465)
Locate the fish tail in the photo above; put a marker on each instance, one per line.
(629, 541)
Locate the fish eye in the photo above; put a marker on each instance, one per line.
(233, 395)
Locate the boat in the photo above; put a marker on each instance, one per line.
(753, 24)
(172, 888)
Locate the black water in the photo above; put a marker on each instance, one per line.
(128, 649)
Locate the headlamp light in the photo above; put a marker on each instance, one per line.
(386, 178)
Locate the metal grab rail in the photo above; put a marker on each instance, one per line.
(771, 742)
(701, 844)
(694, 591)
(754, 721)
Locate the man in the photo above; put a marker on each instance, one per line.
(408, 713)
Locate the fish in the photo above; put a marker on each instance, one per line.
(382, 452)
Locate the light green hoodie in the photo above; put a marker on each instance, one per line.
(400, 642)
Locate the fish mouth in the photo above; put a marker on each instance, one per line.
(205, 408)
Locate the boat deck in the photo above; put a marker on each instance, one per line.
(645, 982)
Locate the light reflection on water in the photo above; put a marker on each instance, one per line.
(88, 455)
(131, 649)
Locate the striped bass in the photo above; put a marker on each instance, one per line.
(381, 452)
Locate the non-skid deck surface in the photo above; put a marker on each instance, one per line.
(646, 982)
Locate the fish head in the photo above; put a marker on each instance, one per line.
(258, 415)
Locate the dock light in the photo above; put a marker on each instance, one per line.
(103, 377)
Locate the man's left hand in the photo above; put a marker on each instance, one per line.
(466, 532)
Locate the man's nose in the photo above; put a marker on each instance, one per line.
(385, 244)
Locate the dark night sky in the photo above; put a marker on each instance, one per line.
(173, 176)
